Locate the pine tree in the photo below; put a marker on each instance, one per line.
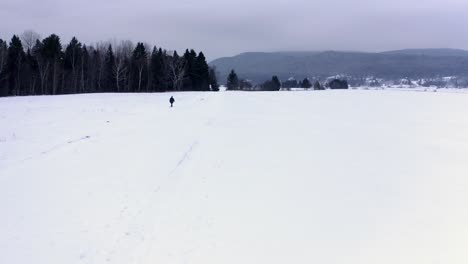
(31, 75)
(139, 65)
(84, 71)
(318, 86)
(48, 69)
(157, 70)
(273, 85)
(109, 62)
(276, 83)
(72, 63)
(38, 54)
(201, 73)
(3, 68)
(232, 81)
(306, 84)
(190, 79)
(213, 80)
(51, 51)
(14, 65)
(95, 71)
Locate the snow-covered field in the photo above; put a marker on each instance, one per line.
(324, 177)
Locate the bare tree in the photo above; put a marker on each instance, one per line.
(126, 48)
(120, 67)
(29, 38)
(176, 72)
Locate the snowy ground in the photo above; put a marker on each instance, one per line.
(288, 177)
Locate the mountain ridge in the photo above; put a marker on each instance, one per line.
(405, 63)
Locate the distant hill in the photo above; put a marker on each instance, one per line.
(410, 63)
(429, 52)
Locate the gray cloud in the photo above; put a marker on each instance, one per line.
(224, 28)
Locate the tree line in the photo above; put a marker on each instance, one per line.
(234, 83)
(30, 65)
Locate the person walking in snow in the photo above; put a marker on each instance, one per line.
(172, 100)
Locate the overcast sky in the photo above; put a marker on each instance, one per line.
(225, 28)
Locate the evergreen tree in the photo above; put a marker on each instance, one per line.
(139, 65)
(31, 74)
(38, 54)
(273, 85)
(213, 80)
(95, 72)
(232, 81)
(188, 62)
(72, 62)
(306, 84)
(190, 79)
(157, 70)
(84, 71)
(276, 83)
(46, 68)
(201, 73)
(108, 70)
(14, 65)
(318, 86)
(51, 51)
(165, 79)
(3, 68)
